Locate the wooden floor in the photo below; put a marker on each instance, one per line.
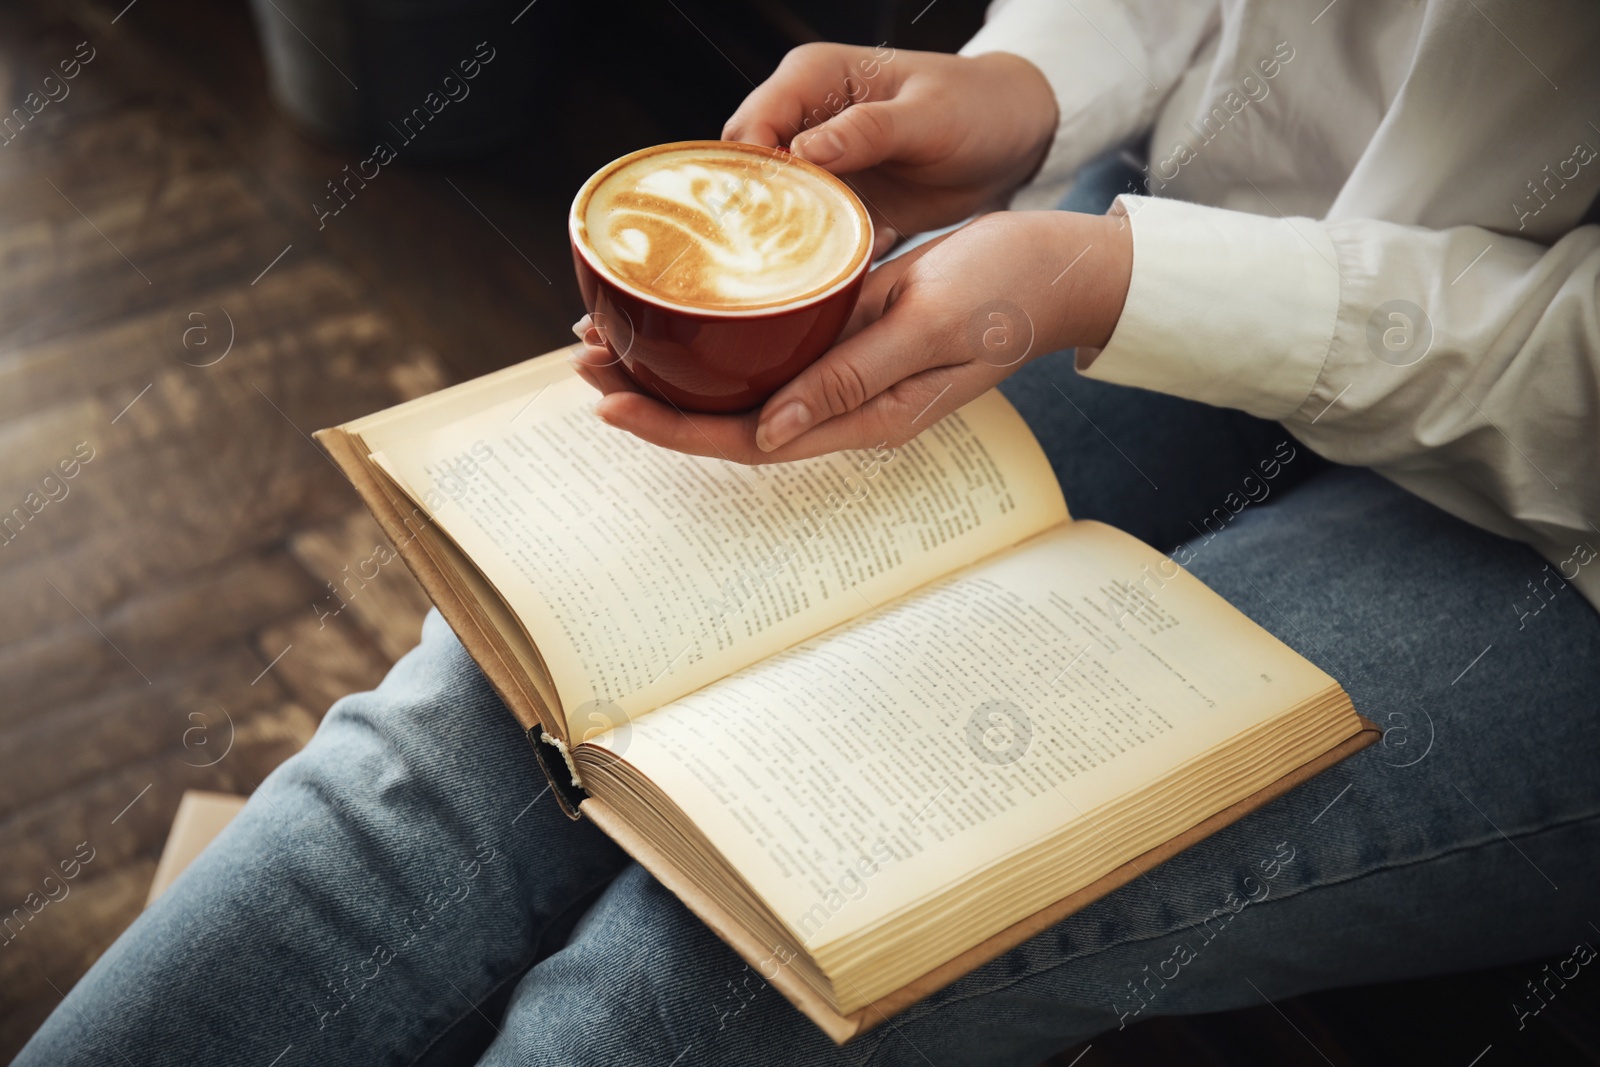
(173, 323)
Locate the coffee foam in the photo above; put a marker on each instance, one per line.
(723, 228)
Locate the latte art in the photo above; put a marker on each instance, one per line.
(724, 229)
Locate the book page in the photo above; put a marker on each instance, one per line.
(644, 574)
(918, 744)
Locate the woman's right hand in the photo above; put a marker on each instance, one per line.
(927, 139)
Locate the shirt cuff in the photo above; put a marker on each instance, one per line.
(1084, 50)
(1224, 307)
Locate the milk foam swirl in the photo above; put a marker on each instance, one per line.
(723, 229)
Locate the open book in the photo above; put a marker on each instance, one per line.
(875, 717)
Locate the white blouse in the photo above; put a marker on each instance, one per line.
(1365, 225)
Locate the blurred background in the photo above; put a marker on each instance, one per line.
(204, 257)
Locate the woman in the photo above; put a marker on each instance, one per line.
(1365, 247)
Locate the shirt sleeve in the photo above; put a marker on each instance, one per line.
(1462, 363)
(1110, 64)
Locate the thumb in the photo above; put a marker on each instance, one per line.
(848, 375)
(860, 136)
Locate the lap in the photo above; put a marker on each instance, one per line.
(413, 824)
(1439, 849)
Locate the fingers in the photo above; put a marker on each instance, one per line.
(884, 237)
(720, 436)
(892, 418)
(849, 375)
(860, 136)
(835, 106)
(594, 362)
(812, 82)
(870, 357)
(774, 110)
(597, 367)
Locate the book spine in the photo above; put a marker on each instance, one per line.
(563, 776)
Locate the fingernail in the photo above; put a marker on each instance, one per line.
(784, 426)
(823, 146)
(580, 327)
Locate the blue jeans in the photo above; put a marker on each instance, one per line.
(406, 884)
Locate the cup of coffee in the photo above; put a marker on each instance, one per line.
(716, 271)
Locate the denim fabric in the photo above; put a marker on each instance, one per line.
(406, 881)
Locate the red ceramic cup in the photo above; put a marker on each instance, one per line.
(706, 359)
